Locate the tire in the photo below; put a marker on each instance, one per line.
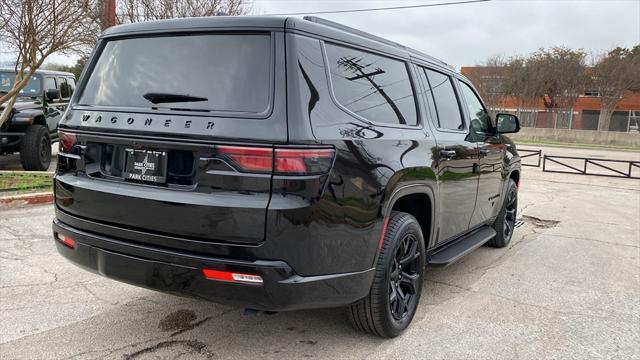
(378, 313)
(506, 220)
(35, 148)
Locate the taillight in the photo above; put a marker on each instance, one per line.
(303, 161)
(287, 161)
(67, 141)
(251, 159)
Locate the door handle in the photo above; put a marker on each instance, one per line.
(447, 153)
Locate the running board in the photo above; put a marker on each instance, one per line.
(461, 247)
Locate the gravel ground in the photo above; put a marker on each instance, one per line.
(568, 287)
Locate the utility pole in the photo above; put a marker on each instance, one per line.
(108, 16)
(357, 68)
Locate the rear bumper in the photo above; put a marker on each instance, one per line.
(181, 274)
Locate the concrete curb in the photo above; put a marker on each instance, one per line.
(14, 201)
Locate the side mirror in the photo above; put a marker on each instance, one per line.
(507, 123)
(52, 94)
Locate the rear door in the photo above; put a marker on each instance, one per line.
(175, 135)
(457, 156)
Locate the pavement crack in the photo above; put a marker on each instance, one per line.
(194, 346)
(84, 286)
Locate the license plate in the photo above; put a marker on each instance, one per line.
(146, 165)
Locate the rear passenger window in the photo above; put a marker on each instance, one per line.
(375, 87)
(446, 102)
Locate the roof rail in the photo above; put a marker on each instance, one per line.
(367, 35)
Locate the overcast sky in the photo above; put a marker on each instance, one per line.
(468, 34)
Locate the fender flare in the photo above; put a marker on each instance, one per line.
(27, 116)
(404, 190)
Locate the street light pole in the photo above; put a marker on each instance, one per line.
(108, 16)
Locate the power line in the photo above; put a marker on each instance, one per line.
(380, 9)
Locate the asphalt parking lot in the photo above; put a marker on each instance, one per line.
(567, 287)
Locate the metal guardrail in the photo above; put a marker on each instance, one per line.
(530, 153)
(600, 163)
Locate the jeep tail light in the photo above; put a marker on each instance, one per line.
(67, 141)
(303, 161)
(230, 276)
(287, 161)
(249, 159)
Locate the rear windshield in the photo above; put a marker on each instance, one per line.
(228, 73)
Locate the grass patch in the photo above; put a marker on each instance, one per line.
(22, 182)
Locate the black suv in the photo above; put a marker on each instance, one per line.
(34, 120)
(279, 164)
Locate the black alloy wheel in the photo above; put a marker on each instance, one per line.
(511, 209)
(397, 283)
(404, 278)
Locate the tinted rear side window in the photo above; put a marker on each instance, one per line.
(446, 102)
(232, 72)
(375, 87)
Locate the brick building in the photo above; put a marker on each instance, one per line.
(584, 114)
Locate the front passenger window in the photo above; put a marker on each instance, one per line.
(49, 83)
(480, 120)
(65, 91)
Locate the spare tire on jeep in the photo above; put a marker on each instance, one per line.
(35, 149)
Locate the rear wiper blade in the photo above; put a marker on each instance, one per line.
(158, 98)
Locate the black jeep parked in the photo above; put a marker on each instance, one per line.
(36, 113)
(279, 164)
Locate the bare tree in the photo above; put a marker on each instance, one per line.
(132, 11)
(557, 76)
(35, 29)
(614, 74)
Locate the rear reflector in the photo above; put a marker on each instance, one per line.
(230, 276)
(287, 161)
(69, 242)
(385, 223)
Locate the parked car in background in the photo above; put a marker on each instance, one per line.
(283, 164)
(33, 123)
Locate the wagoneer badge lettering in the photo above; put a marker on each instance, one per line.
(148, 121)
